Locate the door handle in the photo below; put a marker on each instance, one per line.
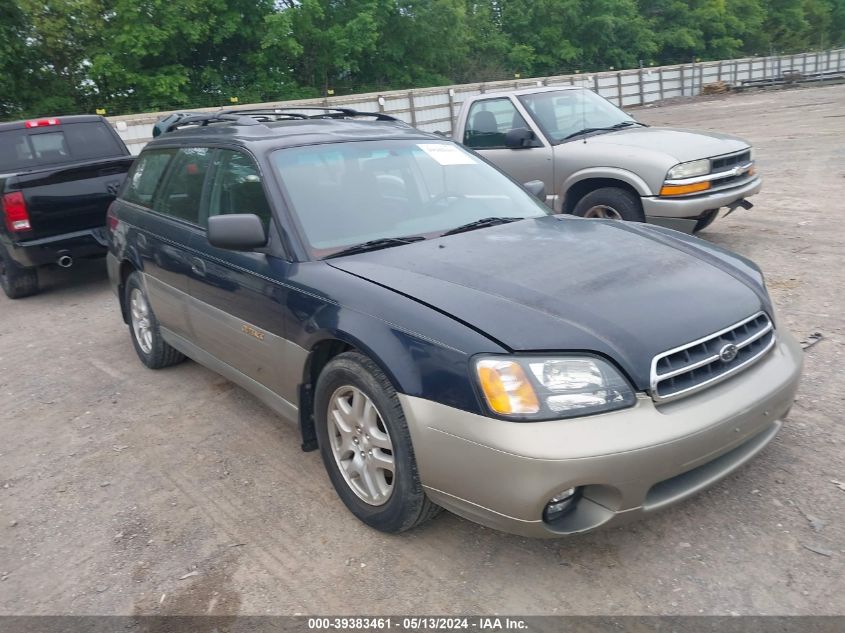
(198, 266)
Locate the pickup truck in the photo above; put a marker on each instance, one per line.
(597, 161)
(58, 176)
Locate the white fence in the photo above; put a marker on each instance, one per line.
(434, 109)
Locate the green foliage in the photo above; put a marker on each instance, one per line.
(63, 56)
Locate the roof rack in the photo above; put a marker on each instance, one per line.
(322, 113)
(205, 119)
(257, 116)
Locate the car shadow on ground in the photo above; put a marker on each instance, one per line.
(85, 275)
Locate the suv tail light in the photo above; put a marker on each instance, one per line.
(111, 219)
(41, 122)
(14, 208)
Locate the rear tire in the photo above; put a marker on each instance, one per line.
(17, 281)
(151, 348)
(362, 435)
(610, 203)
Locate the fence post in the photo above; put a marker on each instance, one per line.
(683, 90)
(619, 88)
(803, 64)
(596, 83)
(720, 72)
(413, 108)
(640, 76)
(660, 81)
(700, 78)
(450, 92)
(839, 60)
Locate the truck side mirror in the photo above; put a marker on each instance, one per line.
(536, 188)
(519, 137)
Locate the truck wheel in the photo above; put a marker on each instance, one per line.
(610, 203)
(366, 446)
(151, 348)
(17, 281)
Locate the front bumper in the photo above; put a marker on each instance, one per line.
(679, 212)
(628, 463)
(78, 245)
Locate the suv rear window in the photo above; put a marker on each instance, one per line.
(66, 143)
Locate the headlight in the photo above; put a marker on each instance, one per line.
(548, 388)
(689, 170)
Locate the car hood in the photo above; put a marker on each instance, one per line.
(682, 145)
(561, 283)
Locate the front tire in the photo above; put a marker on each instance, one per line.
(151, 348)
(17, 281)
(610, 203)
(366, 447)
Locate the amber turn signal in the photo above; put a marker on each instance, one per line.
(679, 190)
(506, 387)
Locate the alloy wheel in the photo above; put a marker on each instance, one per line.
(361, 445)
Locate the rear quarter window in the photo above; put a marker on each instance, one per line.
(145, 176)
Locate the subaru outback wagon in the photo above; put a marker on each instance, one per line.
(439, 336)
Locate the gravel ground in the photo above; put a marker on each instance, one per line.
(128, 491)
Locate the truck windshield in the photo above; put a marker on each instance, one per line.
(345, 194)
(25, 149)
(564, 113)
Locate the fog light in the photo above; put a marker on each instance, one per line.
(559, 505)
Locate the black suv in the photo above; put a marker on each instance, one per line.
(441, 338)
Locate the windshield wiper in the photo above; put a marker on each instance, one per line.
(374, 245)
(479, 224)
(617, 126)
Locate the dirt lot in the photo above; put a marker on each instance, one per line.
(126, 491)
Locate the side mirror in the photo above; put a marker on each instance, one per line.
(519, 137)
(236, 232)
(536, 188)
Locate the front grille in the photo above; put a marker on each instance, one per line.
(702, 363)
(726, 163)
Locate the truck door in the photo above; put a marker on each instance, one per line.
(488, 122)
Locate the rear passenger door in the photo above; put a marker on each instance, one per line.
(237, 309)
(165, 235)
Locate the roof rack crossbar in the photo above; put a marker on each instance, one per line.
(205, 119)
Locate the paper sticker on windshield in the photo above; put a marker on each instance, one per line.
(446, 154)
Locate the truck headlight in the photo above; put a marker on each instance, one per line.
(689, 170)
(548, 388)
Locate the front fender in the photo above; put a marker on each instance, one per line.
(614, 173)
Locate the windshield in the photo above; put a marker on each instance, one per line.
(560, 114)
(344, 194)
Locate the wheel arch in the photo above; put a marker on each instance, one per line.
(580, 184)
(320, 354)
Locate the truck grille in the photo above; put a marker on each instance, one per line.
(702, 363)
(726, 163)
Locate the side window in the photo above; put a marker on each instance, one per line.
(236, 188)
(182, 192)
(488, 122)
(145, 175)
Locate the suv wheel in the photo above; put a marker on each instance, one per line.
(17, 281)
(610, 203)
(366, 446)
(153, 351)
